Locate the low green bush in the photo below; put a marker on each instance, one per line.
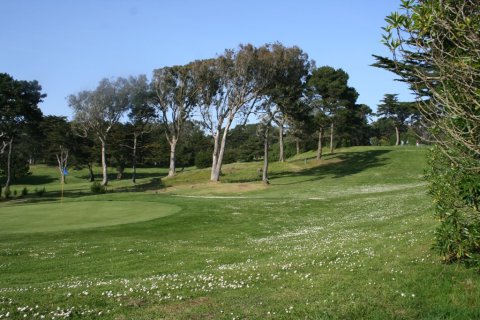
(98, 188)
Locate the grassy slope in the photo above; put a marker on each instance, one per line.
(348, 237)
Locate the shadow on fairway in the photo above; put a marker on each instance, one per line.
(31, 179)
(54, 196)
(350, 163)
(112, 176)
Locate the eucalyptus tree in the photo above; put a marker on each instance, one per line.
(97, 111)
(175, 97)
(330, 91)
(18, 110)
(228, 93)
(141, 115)
(283, 84)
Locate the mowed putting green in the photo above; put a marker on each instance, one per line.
(79, 215)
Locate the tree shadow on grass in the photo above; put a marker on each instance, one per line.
(350, 163)
(56, 195)
(112, 176)
(32, 179)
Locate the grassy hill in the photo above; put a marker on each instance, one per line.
(346, 237)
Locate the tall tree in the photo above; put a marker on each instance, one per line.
(397, 111)
(283, 79)
(176, 92)
(330, 89)
(58, 141)
(228, 93)
(96, 112)
(142, 114)
(18, 109)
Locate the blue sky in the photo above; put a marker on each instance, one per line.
(68, 46)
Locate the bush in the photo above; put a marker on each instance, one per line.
(456, 194)
(98, 188)
(374, 141)
(15, 192)
(203, 159)
(24, 191)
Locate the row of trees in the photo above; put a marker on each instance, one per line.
(279, 85)
(189, 112)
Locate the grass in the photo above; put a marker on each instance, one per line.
(71, 215)
(347, 237)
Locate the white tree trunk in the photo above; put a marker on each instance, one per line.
(281, 156)
(397, 132)
(104, 163)
(173, 146)
(214, 155)
(265, 157)
(218, 166)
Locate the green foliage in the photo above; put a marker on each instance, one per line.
(203, 159)
(98, 188)
(456, 194)
(374, 141)
(24, 191)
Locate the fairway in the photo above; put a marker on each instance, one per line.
(347, 237)
(79, 215)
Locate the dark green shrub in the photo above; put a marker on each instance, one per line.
(15, 192)
(456, 195)
(24, 191)
(98, 188)
(203, 159)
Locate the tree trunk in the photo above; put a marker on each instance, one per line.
(104, 163)
(90, 173)
(221, 151)
(281, 156)
(120, 171)
(9, 164)
(265, 157)
(320, 145)
(62, 175)
(214, 155)
(134, 159)
(173, 146)
(397, 132)
(331, 138)
(297, 144)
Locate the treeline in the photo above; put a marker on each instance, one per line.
(246, 104)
